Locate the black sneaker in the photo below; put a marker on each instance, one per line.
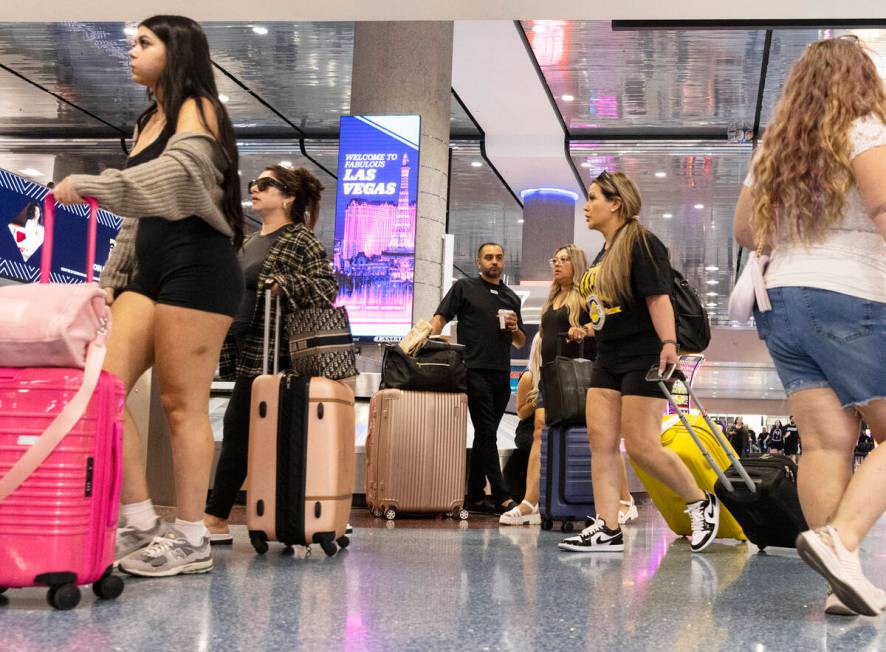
(595, 538)
(704, 516)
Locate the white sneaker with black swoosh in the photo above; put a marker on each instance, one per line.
(704, 516)
(595, 538)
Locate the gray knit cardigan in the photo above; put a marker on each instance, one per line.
(185, 180)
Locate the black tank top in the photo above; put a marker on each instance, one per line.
(150, 152)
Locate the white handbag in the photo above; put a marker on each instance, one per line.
(750, 289)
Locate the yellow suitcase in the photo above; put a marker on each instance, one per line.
(675, 437)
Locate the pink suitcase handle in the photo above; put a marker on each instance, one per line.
(61, 425)
(49, 229)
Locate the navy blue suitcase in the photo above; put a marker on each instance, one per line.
(567, 494)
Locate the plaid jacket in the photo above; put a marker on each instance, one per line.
(298, 262)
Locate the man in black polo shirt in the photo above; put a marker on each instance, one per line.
(477, 302)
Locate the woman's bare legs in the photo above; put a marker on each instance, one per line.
(130, 354)
(533, 469)
(187, 345)
(603, 414)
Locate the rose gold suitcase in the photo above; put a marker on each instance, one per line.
(416, 452)
(301, 459)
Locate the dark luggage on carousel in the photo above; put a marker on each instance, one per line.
(760, 492)
(301, 457)
(567, 494)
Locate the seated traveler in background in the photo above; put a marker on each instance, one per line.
(285, 256)
(489, 323)
(628, 289)
(176, 273)
(816, 197)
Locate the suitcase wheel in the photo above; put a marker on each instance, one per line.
(2, 590)
(329, 547)
(377, 513)
(343, 542)
(391, 514)
(108, 587)
(547, 523)
(259, 541)
(63, 596)
(566, 526)
(463, 514)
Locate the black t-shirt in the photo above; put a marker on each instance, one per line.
(556, 322)
(627, 330)
(776, 438)
(476, 304)
(791, 439)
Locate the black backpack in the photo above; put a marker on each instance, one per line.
(693, 327)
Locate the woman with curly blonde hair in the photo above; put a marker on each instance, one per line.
(816, 198)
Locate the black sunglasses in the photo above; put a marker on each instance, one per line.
(263, 183)
(603, 176)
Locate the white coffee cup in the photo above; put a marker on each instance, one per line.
(503, 317)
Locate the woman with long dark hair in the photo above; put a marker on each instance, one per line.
(176, 279)
(285, 256)
(816, 198)
(628, 289)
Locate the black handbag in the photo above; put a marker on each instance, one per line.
(565, 382)
(437, 367)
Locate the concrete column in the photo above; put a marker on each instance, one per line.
(406, 67)
(548, 223)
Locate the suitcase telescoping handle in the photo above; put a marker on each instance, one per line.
(672, 372)
(267, 339)
(49, 229)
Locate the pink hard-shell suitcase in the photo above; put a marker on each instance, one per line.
(60, 483)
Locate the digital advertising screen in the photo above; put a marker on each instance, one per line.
(375, 220)
(21, 234)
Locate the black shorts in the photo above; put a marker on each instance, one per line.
(628, 378)
(187, 263)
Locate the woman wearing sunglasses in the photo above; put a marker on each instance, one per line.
(628, 289)
(285, 256)
(176, 273)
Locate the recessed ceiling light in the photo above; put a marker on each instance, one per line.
(712, 305)
(538, 29)
(586, 164)
(31, 172)
(712, 294)
(668, 216)
(713, 282)
(661, 175)
(286, 164)
(699, 206)
(224, 99)
(261, 31)
(246, 204)
(712, 268)
(130, 31)
(476, 164)
(567, 98)
(520, 221)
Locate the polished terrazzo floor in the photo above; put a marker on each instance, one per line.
(433, 585)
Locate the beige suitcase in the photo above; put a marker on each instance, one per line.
(416, 452)
(301, 460)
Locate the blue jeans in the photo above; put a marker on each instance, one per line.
(820, 338)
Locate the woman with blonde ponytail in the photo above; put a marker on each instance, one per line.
(816, 198)
(628, 292)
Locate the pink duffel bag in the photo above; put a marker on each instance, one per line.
(61, 425)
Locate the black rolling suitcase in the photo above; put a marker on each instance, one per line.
(760, 492)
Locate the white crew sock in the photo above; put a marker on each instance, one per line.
(194, 531)
(141, 516)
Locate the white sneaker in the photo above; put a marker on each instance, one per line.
(835, 607)
(595, 538)
(824, 551)
(516, 517)
(704, 517)
(130, 539)
(628, 515)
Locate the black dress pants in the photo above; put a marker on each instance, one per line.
(488, 394)
(232, 462)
